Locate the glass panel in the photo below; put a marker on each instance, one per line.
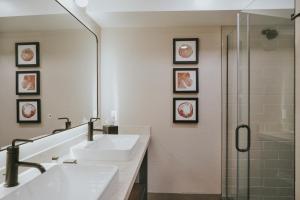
(275, 8)
(242, 104)
(236, 100)
(272, 108)
(229, 98)
(231, 181)
(259, 92)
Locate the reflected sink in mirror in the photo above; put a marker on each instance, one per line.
(107, 147)
(63, 182)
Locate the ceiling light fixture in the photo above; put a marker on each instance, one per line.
(82, 3)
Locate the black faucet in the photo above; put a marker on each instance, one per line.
(91, 128)
(13, 163)
(67, 125)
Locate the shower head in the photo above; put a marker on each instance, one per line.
(270, 33)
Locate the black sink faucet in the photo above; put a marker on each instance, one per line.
(91, 128)
(67, 125)
(13, 163)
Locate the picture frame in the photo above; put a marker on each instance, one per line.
(185, 80)
(27, 83)
(185, 51)
(27, 54)
(185, 110)
(28, 111)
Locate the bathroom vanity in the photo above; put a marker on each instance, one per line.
(70, 176)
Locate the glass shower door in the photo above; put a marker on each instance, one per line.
(271, 87)
(260, 109)
(238, 131)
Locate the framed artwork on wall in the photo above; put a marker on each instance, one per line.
(185, 50)
(27, 82)
(185, 110)
(28, 110)
(185, 80)
(27, 54)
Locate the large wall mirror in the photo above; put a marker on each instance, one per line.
(48, 69)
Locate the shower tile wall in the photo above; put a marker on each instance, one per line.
(272, 114)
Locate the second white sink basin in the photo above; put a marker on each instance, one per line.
(107, 147)
(64, 182)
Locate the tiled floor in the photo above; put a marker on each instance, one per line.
(153, 196)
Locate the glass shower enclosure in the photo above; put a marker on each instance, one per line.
(258, 109)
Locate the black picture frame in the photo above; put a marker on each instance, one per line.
(175, 120)
(37, 84)
(196, 60)
(38, 113)
(195, 70)
(37, 54)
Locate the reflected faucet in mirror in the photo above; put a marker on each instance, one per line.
(13, 163)
(91, 128)
(67, 125)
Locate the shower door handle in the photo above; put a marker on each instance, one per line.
(237, 137)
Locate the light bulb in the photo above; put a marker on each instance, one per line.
(82, 3)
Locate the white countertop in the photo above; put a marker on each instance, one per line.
(121, 187)
(128, 170)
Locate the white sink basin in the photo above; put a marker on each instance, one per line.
(107, 147)
(64, 182)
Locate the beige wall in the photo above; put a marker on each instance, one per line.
(137, 82)
(68, 81)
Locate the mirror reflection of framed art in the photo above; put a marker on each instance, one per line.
(28, 110)
(27, 82)
(27, 54)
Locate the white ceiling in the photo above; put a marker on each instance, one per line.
(29, 7)
(164, 5)
(270, 5)
(51, 22)
(144, 13)
(35, 15)
(165, 19)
